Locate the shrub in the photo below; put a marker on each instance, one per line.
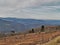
(31, 31)
(42, 28)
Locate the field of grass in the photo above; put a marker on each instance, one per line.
(32, 39)
(55, 41)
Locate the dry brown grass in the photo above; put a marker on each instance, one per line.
(29, 39)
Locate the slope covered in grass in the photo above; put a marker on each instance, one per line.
(55, 41)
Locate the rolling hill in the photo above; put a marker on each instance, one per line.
(20, 25)
(7, 26)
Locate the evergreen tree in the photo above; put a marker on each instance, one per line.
(42, 28)
(32, 30)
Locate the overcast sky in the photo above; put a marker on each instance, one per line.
(33, 9)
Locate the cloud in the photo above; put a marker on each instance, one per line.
(23, 3)
(37, 9)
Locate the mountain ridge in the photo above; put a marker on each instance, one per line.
(18, 24)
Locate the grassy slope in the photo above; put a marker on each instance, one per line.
(30, 39)
(55, 41)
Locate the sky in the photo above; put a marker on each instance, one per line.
(30, 9)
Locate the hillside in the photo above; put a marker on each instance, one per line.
(55, 41)
(8, 26)
(29, 39)
(21, 25)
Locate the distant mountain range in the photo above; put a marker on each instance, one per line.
(10, 24)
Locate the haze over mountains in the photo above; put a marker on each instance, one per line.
(9, 24)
